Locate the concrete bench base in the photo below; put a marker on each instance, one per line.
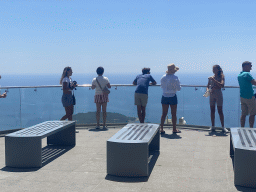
(24, 148)
(128, 150)
(243, 149)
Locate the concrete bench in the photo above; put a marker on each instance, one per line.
(128, 150)
(24, 148)
(243, 149)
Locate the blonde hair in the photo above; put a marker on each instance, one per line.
(65, 73)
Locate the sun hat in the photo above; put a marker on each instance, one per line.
(172, 69)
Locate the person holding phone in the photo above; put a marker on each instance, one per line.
(67, 97)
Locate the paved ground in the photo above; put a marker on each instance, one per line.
(191, 161)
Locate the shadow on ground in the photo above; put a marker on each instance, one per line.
(49, 153)
(217, 134)
(97, 130)
(171, 136)
(153, 156)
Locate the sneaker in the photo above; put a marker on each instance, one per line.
(224, 130)
(105, 128)
(97, 127)
(212, 128)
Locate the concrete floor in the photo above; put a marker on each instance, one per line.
(190, 161)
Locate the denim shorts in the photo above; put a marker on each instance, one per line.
(67, 100)
(169, 100)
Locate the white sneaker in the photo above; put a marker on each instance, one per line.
(212, 128)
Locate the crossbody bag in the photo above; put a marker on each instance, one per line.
(105, 90)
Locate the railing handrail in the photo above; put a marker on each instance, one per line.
(113, 85)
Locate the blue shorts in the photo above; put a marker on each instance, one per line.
(169, 100)
(67, 100)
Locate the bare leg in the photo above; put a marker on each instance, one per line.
(213, 115)
(139, 113)
(69, 112)
(220, 111)
(143, 113)
(251, 120)
(174, 117)
(242, 120)
(104, 110)
(164, 113)
(98, 106)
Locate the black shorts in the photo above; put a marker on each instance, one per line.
(169, 100)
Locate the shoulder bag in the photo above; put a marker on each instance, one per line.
(105, 90)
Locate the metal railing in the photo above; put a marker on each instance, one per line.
(113, 85)
(26, 105)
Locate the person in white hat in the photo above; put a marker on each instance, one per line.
(170, 85)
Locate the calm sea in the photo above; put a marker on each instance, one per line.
(26, 107)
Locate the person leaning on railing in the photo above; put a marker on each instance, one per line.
(141, 92)
(247, 98)
(170, 85)
(67, 97)
(4, 94)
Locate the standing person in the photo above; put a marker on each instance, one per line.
(100, 98)
(4, 94)
(141, 92)
(170, 85)
(67, 97)
(216, 82)
(247, 98)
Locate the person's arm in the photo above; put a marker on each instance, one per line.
(135, 81)
(178, 88)
(93, 84)
(108, 85)
(208, 85)
(65, 86)
(253, 82)
(217, 83)
(153, 82)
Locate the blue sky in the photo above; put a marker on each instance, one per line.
(44, 36)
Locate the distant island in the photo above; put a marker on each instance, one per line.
(90, 118)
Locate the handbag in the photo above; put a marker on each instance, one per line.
(207, 93)
(74, 99)
(105, 90)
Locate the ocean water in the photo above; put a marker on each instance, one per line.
(28, 106)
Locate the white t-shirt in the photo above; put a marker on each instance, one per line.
(170, 85)
(67, 80)
(103, 82)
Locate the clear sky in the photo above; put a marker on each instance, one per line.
(44, 36)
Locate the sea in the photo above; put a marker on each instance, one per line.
(25, 107)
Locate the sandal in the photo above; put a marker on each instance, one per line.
(176, 131)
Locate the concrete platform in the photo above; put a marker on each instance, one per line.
(191, 161)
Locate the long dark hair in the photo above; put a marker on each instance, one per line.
(220, 71)
(65, 73)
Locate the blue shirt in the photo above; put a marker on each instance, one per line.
(143, 83)
(244, 80)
